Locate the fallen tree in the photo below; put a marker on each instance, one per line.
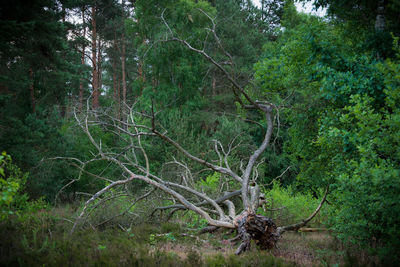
(220, 212)
(132, 160)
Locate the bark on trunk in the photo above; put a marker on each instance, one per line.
(142, 75)
(114, 77)
(95, 94)
(380, 17)
(123, 55)
(99, 74)
(116, 82)
(82, 60)
(119, 96)
(123, 69)
(114, 67)
(262, 10)
(63, 13)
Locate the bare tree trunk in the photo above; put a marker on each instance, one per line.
(99, 58)
(63, 13)
(116, 80)
(119, 97)
(82, 60)
(380, 22)
(262, 10)
(380, 17)
(114, 77)
(123, 55)
(141, 76)
(32, 90)
(62, 105)
(123, 69)
(95, 85)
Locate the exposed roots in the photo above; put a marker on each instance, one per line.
(259, 228)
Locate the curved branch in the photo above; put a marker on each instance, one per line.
(127, 209)
(296, 226)
(98, 194)
(231, 208)
(201, 195)
(218, 201)
(254, 157)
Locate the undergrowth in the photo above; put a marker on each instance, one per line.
(43, 239)
(285, 206)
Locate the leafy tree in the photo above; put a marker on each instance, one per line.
(371, 22)
(13, 201)
(342, 123)
(365, 134)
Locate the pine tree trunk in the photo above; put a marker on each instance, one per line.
(123, 69)
(123, 54)
(114, 78)
(380, 17)
(99, 58)
(142, 76)
(95, 85)
(82, 60)
(116, 81)
(119, 96)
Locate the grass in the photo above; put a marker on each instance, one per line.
(43, 239)
(310, 249)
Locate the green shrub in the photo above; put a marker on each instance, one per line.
(12, 184)
(193, 220)
(285, 206)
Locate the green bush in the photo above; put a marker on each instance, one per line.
(363, 146)
(193, 220)
(285, 206)
(12, 184)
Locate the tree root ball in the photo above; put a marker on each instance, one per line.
(258, 228)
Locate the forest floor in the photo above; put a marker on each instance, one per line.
(43, 239)
(295, 248)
